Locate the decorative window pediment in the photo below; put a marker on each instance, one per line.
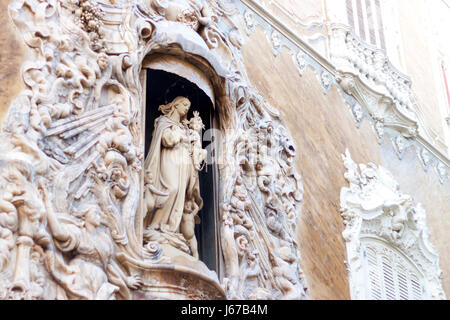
(389, 252)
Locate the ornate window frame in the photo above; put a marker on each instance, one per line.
(375, 211)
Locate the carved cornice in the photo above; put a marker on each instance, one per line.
(370, 84)
(373, 207)
(269, 21)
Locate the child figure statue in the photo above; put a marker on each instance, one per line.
(198, 154)
(187, 226)
(191, 208)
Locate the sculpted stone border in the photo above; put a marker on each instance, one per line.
(73, 153)
(366, 79)
(373, 207)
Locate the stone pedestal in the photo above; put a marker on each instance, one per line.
(182, 279)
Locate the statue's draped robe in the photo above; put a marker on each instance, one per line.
(171, 167)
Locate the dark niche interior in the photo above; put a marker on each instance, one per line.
(162, 88)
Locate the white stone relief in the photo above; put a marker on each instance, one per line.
(399, 143)
(443, 172)
(326, 80)
(301, 62)
(249, 21)
(71, 215)
(379, 128)
(373, 207)
(275, 40)
(425, 158)
(358, 113)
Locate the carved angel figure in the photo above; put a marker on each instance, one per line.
(172, 180)
(91, 272)
(193, 13)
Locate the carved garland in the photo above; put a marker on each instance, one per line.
(373, 208)
(73, 153)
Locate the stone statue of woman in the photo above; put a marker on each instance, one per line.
(171, 176)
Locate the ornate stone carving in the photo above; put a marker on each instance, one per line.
(399, 143)
(275, 40)
(73, 160)
(363, 72)
(301, 62)
(358, 113)
(373, 207)
(249, 21)
(425, 158)
(326, 80)
(350, 54)
(260, 217)
(373, 77)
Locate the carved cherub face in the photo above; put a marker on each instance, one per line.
(102, 61)
(90, 214)
(148, 177)
(116, 173)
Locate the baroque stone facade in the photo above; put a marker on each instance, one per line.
(73, 160)
(87, 212)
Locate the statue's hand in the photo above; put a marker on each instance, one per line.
(134, 282)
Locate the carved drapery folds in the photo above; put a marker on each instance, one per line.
(172, 190)
(73, 158)
(373, 208)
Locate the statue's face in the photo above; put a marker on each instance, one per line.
(183, 107)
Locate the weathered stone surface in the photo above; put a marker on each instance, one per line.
(11, 58)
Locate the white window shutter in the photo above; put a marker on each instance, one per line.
(374, 285)
(390, 276)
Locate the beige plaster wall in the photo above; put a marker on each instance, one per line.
(12, 52)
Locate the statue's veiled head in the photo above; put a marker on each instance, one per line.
(179, 105)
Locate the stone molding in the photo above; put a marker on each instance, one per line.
(372, 87)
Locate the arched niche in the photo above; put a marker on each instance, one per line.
(165, 77)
